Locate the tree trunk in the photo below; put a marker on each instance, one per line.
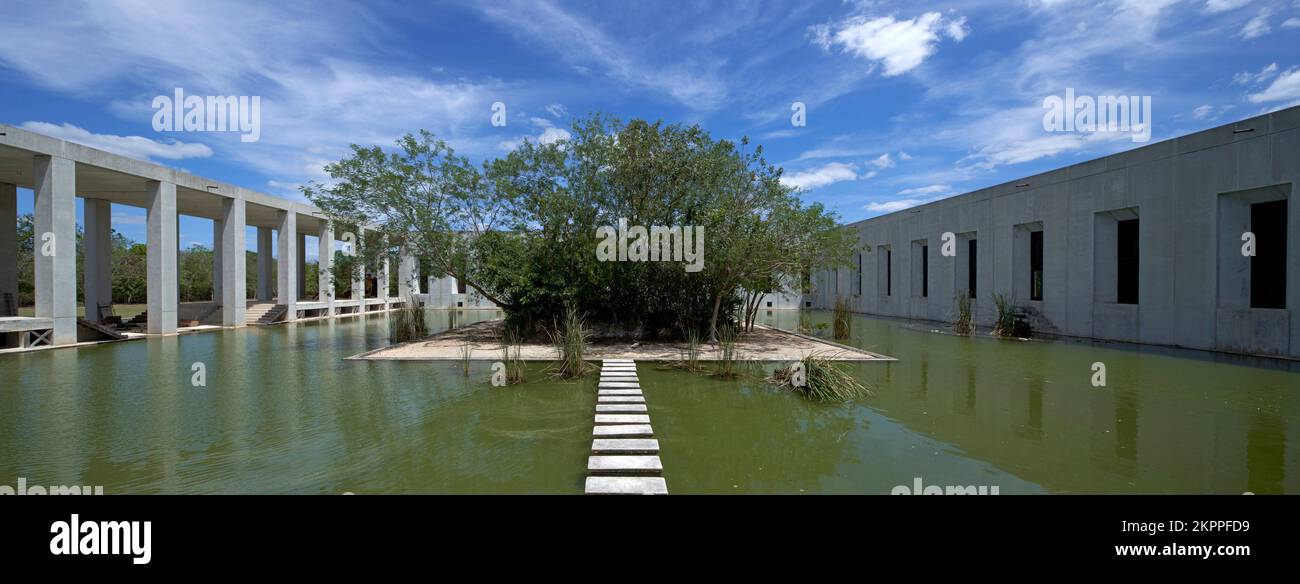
(713, 322)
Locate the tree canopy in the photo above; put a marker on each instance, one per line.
(522, 229)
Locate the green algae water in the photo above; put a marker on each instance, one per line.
(283, 412)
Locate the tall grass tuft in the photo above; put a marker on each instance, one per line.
(569, 336)
(843, 319)
(821, 381)
(511, 348)
(690, 360)
(727, 365)
(466, 352)
(963, 324)
(407, 323)
(1005, 325)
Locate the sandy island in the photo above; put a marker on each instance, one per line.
(484, 339)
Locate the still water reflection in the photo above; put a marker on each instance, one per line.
(283, 412)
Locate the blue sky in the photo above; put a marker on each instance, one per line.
(906, 102)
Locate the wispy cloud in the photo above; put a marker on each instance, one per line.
(137, 147)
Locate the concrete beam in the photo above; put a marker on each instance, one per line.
(286, 269)
(56, 244)
(302, 266)
(234, 266)
(325, 261)
(162, 242)
(264, 262)
(8, 249)
(97, 270)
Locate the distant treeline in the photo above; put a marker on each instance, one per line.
(130, 269)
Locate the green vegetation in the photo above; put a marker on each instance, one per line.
(407, 323)
(522, 230)
(569, 337)
(511, 348)
(963, 325)
(727, 365)
(843, 318)
(690, 360)
(129, 262)
(821, 380)
(1005, 325)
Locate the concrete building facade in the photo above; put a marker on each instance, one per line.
(1191, 242)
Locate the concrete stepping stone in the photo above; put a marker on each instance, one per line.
(620, 408)
(622, 378)
(622, 367)
(623, 431)
(619, 385)
(640, 464)
(618, 392)
(625, 445)
(626, 486)
(622, 419)
(620, 399)
(618, 373)
(617, 361)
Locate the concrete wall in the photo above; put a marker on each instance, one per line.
(1189, 194)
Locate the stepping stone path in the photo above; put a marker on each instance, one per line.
(624, 453)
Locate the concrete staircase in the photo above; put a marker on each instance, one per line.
(624, 453)
(264, 313)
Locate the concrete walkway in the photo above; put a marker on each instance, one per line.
(624, 453)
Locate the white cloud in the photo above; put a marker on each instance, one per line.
(1292, 22)
(898, 45)
(137, 147)
(1248, 78)
(821, 176)
(1285, 88)
(1256, 27)
(1217, 6)
(314, 103)
(883, 161)
(557, 110)
(692, 81)
(896, 205)
(904, 156)
(1202, 112)
(942, 189)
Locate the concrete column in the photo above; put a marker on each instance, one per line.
(287, 270)
(8, 249)
(264, 260)
(217, 230)
(56, 233)
(302, 266)
(161, 201)
(97, 269)
(234, 293)
(325, 261)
